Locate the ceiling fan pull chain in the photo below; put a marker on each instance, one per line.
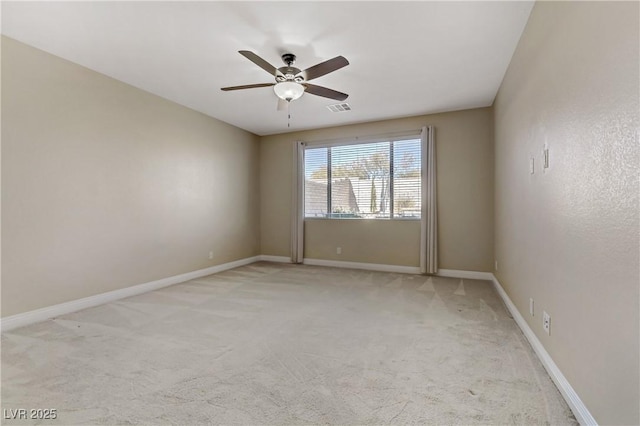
(288, 114)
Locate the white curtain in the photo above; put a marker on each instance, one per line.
(429, 217)
(297, 205)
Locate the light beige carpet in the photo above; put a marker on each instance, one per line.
(285, 344)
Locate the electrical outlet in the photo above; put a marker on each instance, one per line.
(496, 265)
(546, 322)
(531, 306)
(338, 250)
(210, 255)
(532, 168)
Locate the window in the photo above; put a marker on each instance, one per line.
(363, 180)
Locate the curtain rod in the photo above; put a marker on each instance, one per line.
(364, 139)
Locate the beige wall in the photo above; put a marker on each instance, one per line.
(569, 237)
(105, 186)
(387, 242)
(464, 145)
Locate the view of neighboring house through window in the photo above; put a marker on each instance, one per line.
(363, 180)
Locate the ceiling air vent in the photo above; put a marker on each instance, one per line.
(339, 107)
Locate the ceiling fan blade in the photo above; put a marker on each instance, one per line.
(259, 62)
(247, 86)
(325, 92)
(325, 67)
(282, 104)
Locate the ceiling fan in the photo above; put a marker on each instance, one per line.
(291, 82)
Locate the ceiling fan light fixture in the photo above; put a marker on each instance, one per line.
(288, 90)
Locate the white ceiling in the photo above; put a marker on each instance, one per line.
(406, 58)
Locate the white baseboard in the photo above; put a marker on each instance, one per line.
(472, 275)
(359, 265)
(454, 273)
(43, 314)
(580, 410)
(278, 259)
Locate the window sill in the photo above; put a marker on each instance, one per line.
(400, 219)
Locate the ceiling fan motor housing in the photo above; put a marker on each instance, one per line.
(289, 73)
